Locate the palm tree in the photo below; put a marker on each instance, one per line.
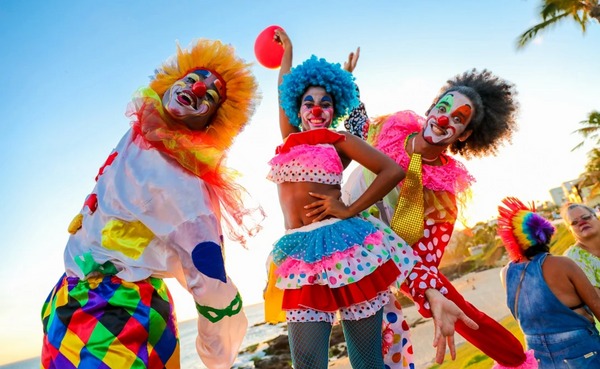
(552, 11)
(590, 129)
(591, 177)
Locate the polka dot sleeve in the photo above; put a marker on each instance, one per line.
(425, 274)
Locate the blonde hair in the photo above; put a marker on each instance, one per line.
(564, 211)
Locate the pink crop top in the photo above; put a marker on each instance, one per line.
(308, 157)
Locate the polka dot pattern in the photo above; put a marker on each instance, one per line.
(300, 164)
(355, 312)
(430, 249)
(327, 253)
(397, 346)
(339, 253)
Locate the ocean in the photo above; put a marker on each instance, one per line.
(257, 333)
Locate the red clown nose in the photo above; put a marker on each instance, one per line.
(443, 121)
(316, 111)
(199, 89)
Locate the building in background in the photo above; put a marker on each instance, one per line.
(574, 191)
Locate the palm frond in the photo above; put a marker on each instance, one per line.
(588, 131)
(550, 9)
(593, 118)
(577, 146)
(530, 34)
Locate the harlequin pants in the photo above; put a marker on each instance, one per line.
(105, 322)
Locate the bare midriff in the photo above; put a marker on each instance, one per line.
(293, 196)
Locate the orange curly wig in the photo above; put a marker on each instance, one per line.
(241, 86)
(203, 152)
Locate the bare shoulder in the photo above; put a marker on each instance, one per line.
(558, 262)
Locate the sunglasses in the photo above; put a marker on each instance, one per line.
(584, 218)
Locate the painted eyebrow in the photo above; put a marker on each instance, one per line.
(459, 112)
(214, 94)
(327, 98)
(193, 76)
(443, 101)
(204, 73)
(308, 98)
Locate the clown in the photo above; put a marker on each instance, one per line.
(472, 116)
(157, 211)
(330, 264)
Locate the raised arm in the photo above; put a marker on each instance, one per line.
(357, 122)
(350, 64)
(286, 65)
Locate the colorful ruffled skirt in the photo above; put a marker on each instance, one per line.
(105, 322)
(339, 265)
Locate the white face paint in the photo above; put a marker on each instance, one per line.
(193, 106)
(317, 109)
(448, 120)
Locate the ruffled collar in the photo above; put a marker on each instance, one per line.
(452, 176)
(199, 154)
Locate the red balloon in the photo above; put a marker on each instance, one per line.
(268, 52)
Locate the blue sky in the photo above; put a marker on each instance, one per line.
(70, 67)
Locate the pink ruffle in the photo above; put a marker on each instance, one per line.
(323, 157)
(452, 176)
(374, 238)
(297, 266)
(529, 363)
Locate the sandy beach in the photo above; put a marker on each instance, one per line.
(482, 289)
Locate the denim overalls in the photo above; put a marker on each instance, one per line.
(559, 337)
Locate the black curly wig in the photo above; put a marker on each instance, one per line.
(494, 119)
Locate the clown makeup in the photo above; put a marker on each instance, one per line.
(194, 99)
(317, 109)
(448, 119)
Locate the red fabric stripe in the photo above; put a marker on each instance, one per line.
(325, 298)
(311, 137)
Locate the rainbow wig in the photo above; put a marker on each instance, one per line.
(241, 87)
(318, 72)
(521, 227)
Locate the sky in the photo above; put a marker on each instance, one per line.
(69, 69)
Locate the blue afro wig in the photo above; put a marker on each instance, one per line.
(318, 72)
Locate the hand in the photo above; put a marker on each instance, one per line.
(445, 314)
(282, 38)
(350, 64)
(326, 206)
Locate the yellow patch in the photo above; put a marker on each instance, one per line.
(75, 224)
(129, 238)
(94, 281)
(73, 348)
(119, 356)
